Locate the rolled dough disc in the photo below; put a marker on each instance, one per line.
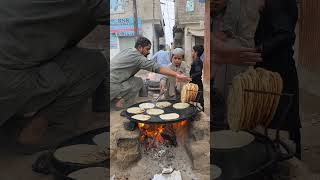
(163, 104)
(80, 154)
(135, 110)
(181, 105)
(141, 117)
(155, 112)
(170, 116)
(228, 139)
(94, 173)
(146, 105)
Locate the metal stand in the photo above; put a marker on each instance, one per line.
(281, 114)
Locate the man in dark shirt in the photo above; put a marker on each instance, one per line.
(275, 37)
(41, 69)
(196, 71)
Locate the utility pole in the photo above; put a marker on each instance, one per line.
(135, 17)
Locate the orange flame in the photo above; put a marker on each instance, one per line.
(154, 131)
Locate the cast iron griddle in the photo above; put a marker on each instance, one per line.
(60, 170)
(251, 161)
(184, 114)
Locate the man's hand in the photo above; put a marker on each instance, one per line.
(239, 56)
(182, 77)
(179, 77)
(162, 86)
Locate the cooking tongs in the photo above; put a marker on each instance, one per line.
(161, 93)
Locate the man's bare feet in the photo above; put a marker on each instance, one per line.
(120, 104)
(33, 133)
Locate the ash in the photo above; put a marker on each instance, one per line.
(160, 153)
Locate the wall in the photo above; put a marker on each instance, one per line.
(309, 43)
(183, 16)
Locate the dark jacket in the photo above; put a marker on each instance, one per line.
(275, 36)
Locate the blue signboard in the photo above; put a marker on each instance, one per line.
(124, 26)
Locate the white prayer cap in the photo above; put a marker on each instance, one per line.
(178, 51)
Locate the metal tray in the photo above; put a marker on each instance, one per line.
(184, 114)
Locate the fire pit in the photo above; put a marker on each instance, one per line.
(181, 145)
(154, 135)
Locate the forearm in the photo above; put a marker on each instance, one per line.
(168, 72)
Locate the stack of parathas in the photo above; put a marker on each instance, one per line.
(246, 110)
(189, 92)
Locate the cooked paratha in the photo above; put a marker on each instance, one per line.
(247, 110)
(155, 112)
(146, 105)
(228, 139)
(163, 104)
(135, 110)
(102, 140)
(141, 117)
(181, 105)
(80, 154)
(170, 116)
(93, 173)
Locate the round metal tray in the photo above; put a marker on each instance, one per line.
(184, 114)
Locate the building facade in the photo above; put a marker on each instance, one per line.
(189, 27)
(150, 24)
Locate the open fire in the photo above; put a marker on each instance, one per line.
(154, 135)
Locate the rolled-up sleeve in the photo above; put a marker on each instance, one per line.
(149, 65)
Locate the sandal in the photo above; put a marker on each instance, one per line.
(130, 126)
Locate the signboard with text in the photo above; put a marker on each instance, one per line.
(124, 26)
